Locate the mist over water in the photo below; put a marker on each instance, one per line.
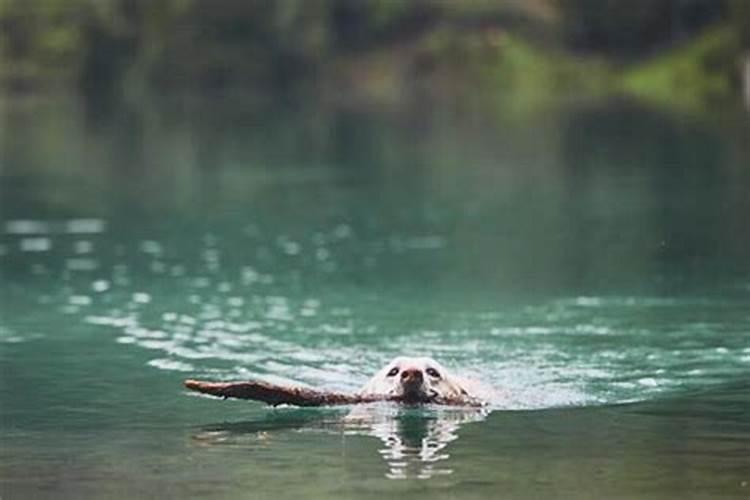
(572, 261)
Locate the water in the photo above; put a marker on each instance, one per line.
(593, 263)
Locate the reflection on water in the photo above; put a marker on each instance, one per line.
(415, 440)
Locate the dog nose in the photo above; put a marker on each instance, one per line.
(411, 376)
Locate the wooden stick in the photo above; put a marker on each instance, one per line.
(275, 395)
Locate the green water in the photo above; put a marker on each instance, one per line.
(593, 263)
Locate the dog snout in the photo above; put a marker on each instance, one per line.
(411, 376)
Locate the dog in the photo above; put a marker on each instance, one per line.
(421, 380)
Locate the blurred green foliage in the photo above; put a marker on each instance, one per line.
(535, 47)
(697, 73)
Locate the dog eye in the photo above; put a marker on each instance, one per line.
(393, 371)
(432, 372)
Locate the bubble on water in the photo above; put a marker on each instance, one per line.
(8, 336)
(121, 280)
(80, 300)
(169, 316)
(39, 244)
(277, 309)
(81, 264)
(342, 231)
(141, 298)
(341, 311)
(115, 321)
(100, 286)
(322, 254)
(279, 312)
(12, 339)
(85, 226)
(249, 275)
(624, 385)
(648, 382)
(70, 309)
(83, 246)
(27, 227)
(171, 364)
(588, 301)
(120, 275)
(592, 329)
(210, 311)
(151, 247)
(236, 301)
(216, 324)
(165, 345)
(246, 326)
(201, 282)
(307, 312)
(289, 247)
(211, 255)
(332, 329)
(145, 333)
(187, 320)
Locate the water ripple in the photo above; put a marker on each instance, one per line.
(215, 314)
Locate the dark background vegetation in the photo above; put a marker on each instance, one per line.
(685, 52)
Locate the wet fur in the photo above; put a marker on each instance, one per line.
(443, 387)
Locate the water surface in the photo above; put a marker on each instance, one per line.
(594, 263)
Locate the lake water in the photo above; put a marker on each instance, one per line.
(592, 262)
